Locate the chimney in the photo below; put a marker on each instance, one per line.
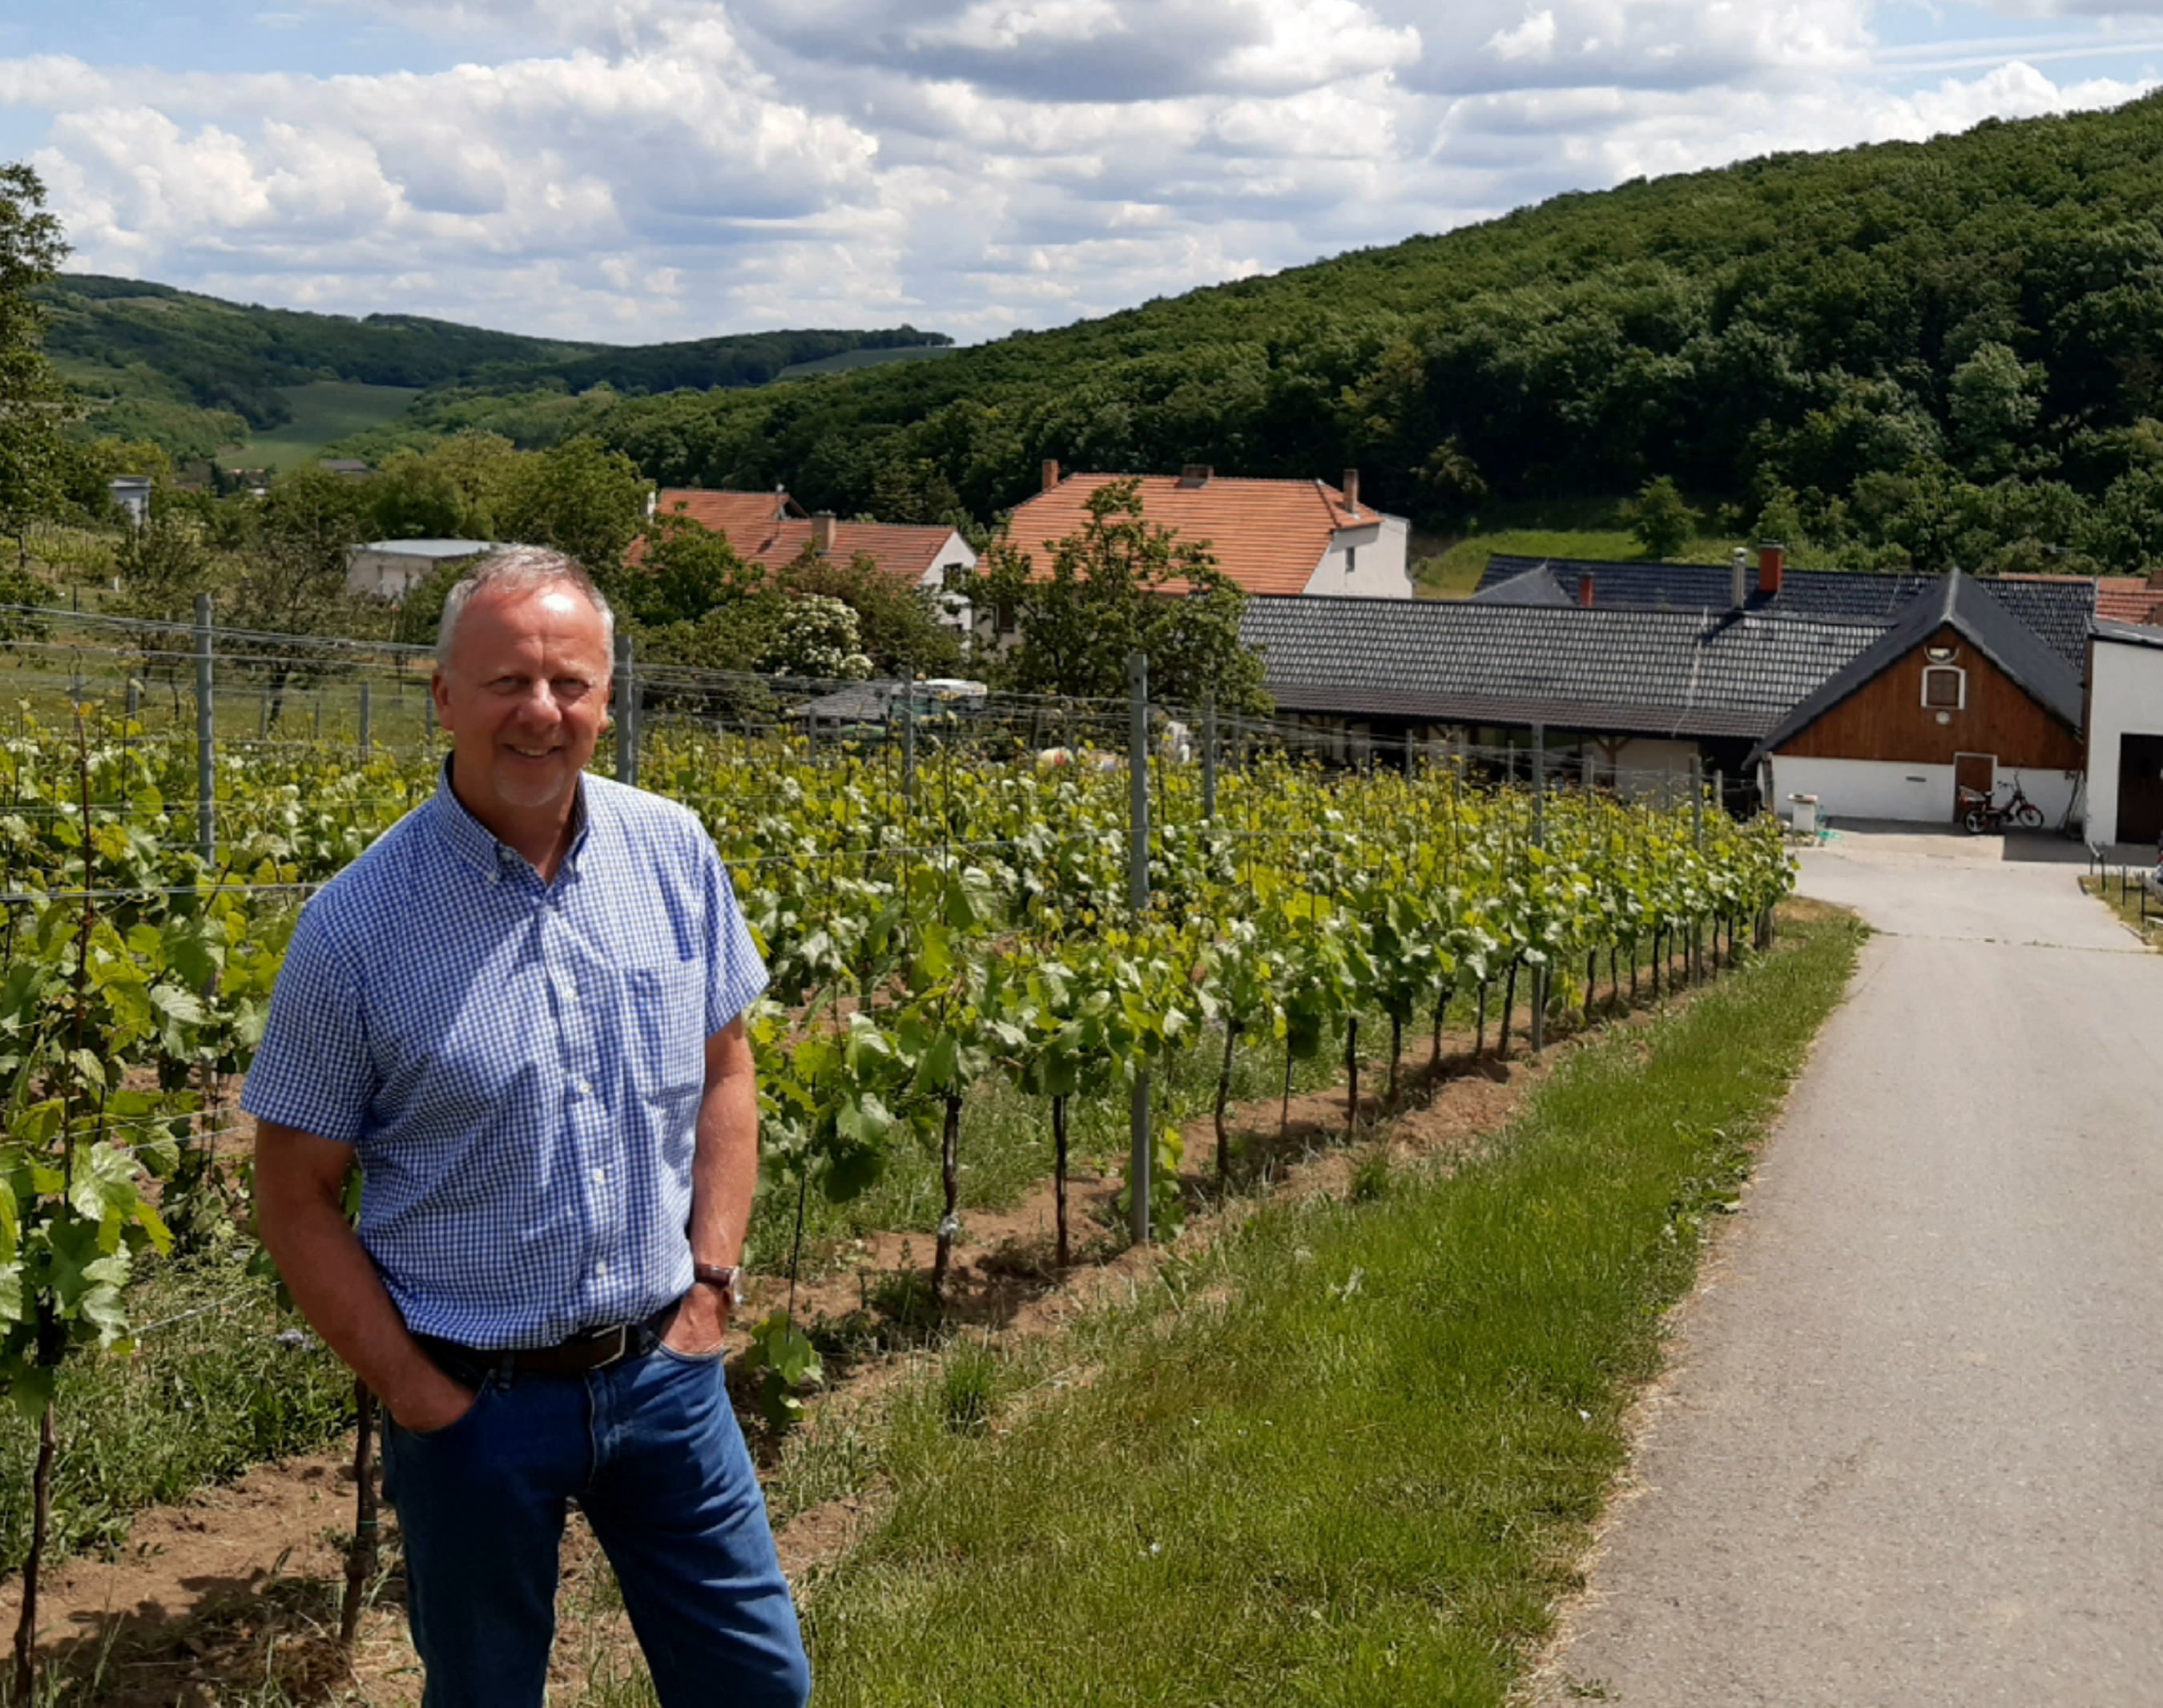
(1738, 586)
(1051, 472)
(1196, 475)
(1351, 490)
(1772, 565)
(653, 501)
(822, 532)
(1585, 590)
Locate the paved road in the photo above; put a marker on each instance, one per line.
(1913, 1451)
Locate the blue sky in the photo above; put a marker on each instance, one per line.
(637, 170)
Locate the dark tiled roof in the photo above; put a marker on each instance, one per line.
(2061, 609)
(2130, 634)
(1668, 672)
(1971, 608)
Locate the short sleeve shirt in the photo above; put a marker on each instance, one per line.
(517, 1065)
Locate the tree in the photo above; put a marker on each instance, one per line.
(1117, 586)
(35, 456)
(292, 580)
(1661, 520)
(580, 498)
(685, 570)
(1995, 403)
(898, 625)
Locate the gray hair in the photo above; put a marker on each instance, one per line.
(519, 569)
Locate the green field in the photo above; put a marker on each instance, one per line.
(863, 359)
(1450, 566)
(323, 413)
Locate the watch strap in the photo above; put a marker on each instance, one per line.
(727, 1276)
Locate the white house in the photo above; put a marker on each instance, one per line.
(2125, 735)
(1270, 537)
(390, 568)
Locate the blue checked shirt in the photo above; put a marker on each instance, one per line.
(518, 1066)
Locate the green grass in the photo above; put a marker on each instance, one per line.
(1352, 1454)
(1450, 567)
(847, 361)
(323, 413)
(207, 1397)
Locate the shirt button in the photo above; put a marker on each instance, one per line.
(600, 1267)
(585, 1088)
(601, 1176)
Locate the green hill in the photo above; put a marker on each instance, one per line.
(1931, 352)
(194, 373)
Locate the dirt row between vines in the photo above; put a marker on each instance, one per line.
(237, 1589)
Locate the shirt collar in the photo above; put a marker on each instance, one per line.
(478, 845)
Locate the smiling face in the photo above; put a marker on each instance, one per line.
(525, 695)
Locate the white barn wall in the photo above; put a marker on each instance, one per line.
(1880, 788)
(2125, 698)
(1379, 571)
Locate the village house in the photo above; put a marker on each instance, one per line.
(1271, 537)
(770, 528)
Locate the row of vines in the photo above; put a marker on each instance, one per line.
(926, 935)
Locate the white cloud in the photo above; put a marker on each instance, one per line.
(640, 169)
(1533, 39)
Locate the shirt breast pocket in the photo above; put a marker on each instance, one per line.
(667, 1034)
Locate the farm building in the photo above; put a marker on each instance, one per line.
(1623, 698)
(1272, 537)
(1881, 695)
(773, 529)
(2125, 735)
(1954, 693)
(2061, 609)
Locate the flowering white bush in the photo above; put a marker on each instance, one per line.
(817, 637)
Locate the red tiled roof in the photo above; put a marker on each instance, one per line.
(772, 529)
(2128, 599)
(1268, 536)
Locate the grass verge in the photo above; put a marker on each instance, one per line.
(2135, 908)
(1350, 1453)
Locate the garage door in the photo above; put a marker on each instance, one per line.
(2139, 788)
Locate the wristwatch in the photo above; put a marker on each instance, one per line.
(727, 1276)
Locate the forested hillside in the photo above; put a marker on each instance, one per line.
(1929, 352)
(192, 372)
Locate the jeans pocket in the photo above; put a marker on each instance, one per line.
(694, 1358)
(457, 1424)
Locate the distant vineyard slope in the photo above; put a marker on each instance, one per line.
(193, 372)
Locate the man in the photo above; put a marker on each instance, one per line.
(520, 1014)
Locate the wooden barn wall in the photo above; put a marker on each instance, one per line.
(1886, 719)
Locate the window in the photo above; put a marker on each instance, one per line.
(1351, 560)
(1007, 621)
(1944, 688)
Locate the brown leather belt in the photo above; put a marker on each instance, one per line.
(580, 1355)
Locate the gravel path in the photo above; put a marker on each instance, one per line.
(1912, 1451)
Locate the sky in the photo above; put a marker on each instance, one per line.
(635, 171)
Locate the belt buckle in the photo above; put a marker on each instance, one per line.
(622, 1334)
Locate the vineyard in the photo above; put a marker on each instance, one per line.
(1000, 946)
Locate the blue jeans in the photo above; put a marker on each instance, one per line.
(650, 1448)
